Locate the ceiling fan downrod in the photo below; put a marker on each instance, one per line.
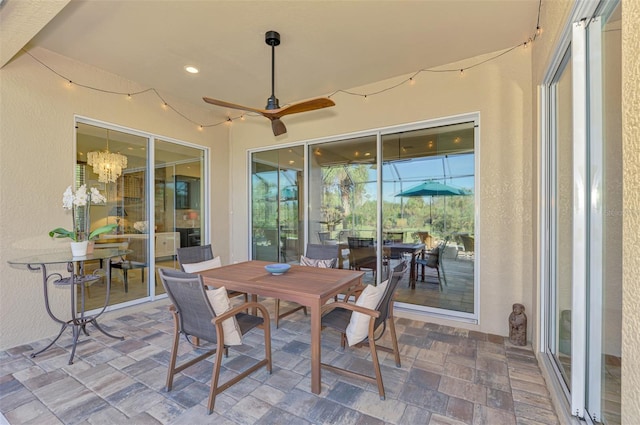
(272, 38)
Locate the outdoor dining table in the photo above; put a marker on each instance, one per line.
(393, 249)
(78, 319)
(308, 286)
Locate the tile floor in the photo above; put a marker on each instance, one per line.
(448, 376)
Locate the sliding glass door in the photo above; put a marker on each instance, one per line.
(359, 198)
(583, 216)
(157, 209)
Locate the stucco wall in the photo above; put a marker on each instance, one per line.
(501, 91)
(36, 164)
(631, 211)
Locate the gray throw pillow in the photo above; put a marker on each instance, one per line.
(323, 264)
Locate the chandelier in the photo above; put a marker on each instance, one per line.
(107, 165)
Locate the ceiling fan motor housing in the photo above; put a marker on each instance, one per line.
(272, 38)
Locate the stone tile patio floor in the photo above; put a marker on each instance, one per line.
(448, 376)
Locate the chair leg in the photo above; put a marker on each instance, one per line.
(394, 339)
(174, 352)
(376, 366)
(277, 313)
(215, 376)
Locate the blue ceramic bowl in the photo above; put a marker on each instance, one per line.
(278, 268)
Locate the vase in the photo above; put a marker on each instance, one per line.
(79, 249)
(90, 247)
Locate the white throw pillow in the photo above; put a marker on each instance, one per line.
(323, 264)
(203, 265)
(220, 302)
(358, 328)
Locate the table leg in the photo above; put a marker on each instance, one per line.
(316, 383)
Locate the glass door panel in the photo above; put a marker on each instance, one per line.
(276, 207)
(179, 201)
(605, 307)
(428, 198)
(126, 205)
(343, 199)
(562, 223)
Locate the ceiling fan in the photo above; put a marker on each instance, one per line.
(273, 111)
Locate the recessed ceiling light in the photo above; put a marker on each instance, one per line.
(191, 69)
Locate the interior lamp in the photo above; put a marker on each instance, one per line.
(107, 165)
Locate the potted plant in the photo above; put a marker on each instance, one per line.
(80, 203)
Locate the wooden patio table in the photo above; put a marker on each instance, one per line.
(308, 286)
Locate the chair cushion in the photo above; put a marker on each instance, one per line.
(220, 302)
(358, 328)
(203, 265)
(323, 264)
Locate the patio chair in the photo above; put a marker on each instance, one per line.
(433, 260)
(199, 314)
(362, 254)
(469, 245)
(202, 256)
(323, 256)
(325, 238)
(358, 322)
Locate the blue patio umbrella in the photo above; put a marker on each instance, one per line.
(432, 188)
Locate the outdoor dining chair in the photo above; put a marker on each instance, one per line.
(358, 323)
(433, 260)
(362, 254)
(316, 255)
(206, 315)
(201, 258)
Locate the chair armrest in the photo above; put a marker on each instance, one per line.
(352, 307)
(354, 291)
(240, 308)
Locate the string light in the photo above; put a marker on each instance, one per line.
(411, 80)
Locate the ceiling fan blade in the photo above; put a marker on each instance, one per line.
(272, 38)
(232, 105)
(278, 127)
(304, 106)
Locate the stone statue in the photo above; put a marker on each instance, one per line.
(518, 325)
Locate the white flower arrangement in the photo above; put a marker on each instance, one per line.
(81, 199)
(141, 226)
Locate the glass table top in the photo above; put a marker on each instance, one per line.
(59, 257)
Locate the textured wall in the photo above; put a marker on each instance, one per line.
(36, 165)
(501, 91)
(631, 211)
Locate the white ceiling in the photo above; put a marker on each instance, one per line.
(326, 45)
